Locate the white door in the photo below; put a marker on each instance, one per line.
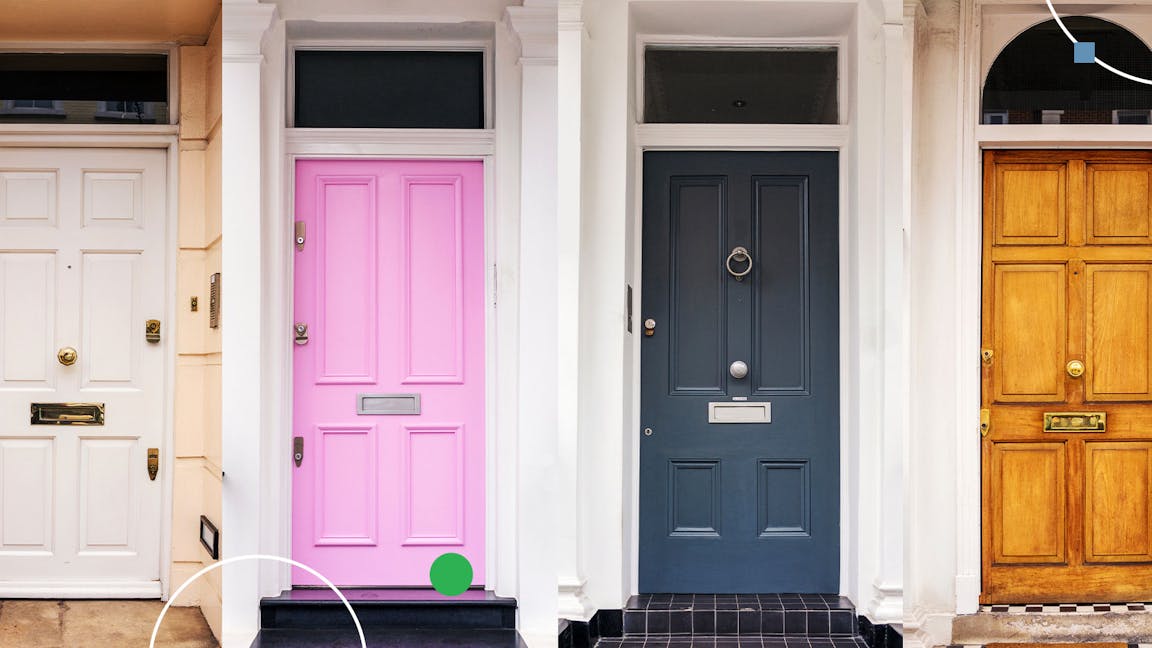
(82, 265)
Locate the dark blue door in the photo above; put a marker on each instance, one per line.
(740, 506)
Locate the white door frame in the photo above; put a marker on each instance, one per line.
(130, 137)
(410, 144)
(966, 284)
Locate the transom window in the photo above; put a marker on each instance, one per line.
(741, 85)
(389, 89)
(84, 88)
(1036, 79)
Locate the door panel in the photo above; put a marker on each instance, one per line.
(390, 284)
(1118, 333)
(740, 507)
(1118, 502)
(1029, 505)
(82, 264)
(1067, 513)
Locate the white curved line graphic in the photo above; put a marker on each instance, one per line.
(1102, 64)
(234, 559)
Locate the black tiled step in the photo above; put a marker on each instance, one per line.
(387, 608)
(753, 615)
(387, 638)
(785, 641)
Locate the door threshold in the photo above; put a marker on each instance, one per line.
(80, 590)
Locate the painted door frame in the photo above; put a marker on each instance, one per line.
(166, 138)
(749, 138)
(966, 284)
(412, 144)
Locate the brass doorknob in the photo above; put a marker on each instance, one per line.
(66, 356)
(1075, 368)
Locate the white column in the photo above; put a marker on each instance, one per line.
(544, 527)
(241, 313)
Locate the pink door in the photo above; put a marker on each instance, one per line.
(389, 373)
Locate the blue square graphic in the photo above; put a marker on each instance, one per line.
(1084, 53)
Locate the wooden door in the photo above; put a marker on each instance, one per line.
(82, 265)
(730, 502)
(389, 373)
(1067, 279)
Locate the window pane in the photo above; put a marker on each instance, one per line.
(1036, 80)
(740, 86)
(79, 88)
(389, 89)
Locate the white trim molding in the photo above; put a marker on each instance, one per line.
(385, 142)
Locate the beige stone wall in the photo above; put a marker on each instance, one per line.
(197, 486)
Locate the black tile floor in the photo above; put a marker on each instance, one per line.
(667, 641)
(388, 638)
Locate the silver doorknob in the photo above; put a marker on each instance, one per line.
(738, 369)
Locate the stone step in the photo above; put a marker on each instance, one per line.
(742, 641)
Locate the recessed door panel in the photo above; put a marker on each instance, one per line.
(1031, 332)
(740, 255)
(1030, 508)
(1118, 502)
(1119, 205)
(389, 382)
(1031, 204)
(1118, 311)
(83, 267)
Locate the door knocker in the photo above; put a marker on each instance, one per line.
(739, 255)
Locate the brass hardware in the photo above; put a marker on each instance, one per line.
(300, 235)
(301, 332)
(1075, 422)
(152, 331)
(298, 450)
(649, 327)
(195, 304)
(67, 413)
(985, 422)
(1075, 368)
(153, 463)
(739, 255)
(66, 356)
(214, 300)
(986, 356)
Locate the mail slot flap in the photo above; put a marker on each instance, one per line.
(739, 412)
(387, 404)
(67, 413)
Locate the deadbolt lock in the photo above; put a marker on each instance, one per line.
(1075, 368)
(986, 356)
(985, 422)
(301, 330)
(152, 331)
(153, 463)
(66, 356)
(298, 450)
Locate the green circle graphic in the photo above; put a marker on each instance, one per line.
(451, 574)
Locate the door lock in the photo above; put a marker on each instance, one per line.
(649, 327)
(301, 333)
(152, 331)
(298, 450)
(153, 463)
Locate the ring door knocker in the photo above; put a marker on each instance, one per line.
(739, 255)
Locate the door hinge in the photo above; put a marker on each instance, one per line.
(986, 356)
(298, 450)
(985, 422)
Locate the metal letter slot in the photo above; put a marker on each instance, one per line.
(1075, 422)
(152, 331)
(67, 413)
(153, 463)
(739, 412)
(387, 404)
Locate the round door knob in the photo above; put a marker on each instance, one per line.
(738, 369)
(1075, 368)
(66, 356)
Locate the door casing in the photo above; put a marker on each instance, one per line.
(125, 137)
